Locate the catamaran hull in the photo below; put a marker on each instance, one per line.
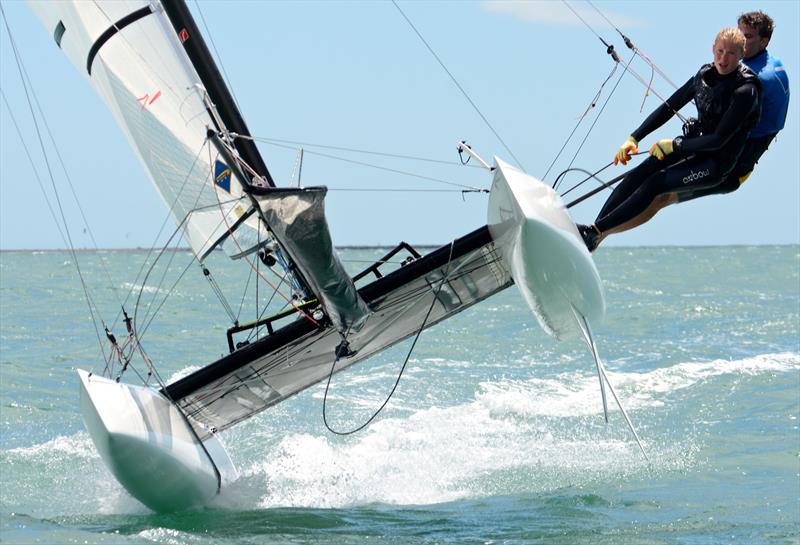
(543, 249)
(148, 446)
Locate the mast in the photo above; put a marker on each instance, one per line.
(195, 46)
(296, 217)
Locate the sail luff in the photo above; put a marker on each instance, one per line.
(165, 101)
(313, 260)
(196, 49)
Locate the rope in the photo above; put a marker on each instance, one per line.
(339, 353)
(628, 68)
(580, 120)
(460, 88)
(630, 45)
(253, 264)
(597, 118)
(590, 175)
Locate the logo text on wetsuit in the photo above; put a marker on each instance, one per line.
(692, 176)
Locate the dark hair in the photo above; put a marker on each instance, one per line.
(760, 21)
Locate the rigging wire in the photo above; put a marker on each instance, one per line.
(378, 167)
(230, 230)
(356, 150)
(457, 84)
(630, 45)
(597, 117)
(217, 55)
(163, 225)
(629, 69)
(36, 175)
(244, 295)
(589, 176)
(220, 295)
(89, 300)
(55, 147)
(402, 368)
(260, 314)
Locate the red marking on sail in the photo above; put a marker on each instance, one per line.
(146, 100)
(183, 35)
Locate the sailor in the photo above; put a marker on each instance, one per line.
(727, 96)
(757, 28)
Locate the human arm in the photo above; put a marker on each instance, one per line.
(666, 110)
(744, 100)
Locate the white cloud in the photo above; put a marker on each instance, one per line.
(553, 12)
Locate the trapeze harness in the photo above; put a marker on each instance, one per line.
(774, 107)
(728, 108)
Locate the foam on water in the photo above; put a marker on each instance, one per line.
(76, 478)
(574, 394)
(534, 435)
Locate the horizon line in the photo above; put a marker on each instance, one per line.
(383, 247)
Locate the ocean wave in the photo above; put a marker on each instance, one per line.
(170, 536)
(185, 372)
(130, 286)
(523, 436)
(71, 471)
(78, 445)
(447, 454)
(577, 393)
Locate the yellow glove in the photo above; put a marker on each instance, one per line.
(661, 149)
(625, 150)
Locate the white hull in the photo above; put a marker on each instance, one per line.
(149, 447)
(541, 245)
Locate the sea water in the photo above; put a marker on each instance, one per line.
(495, 434)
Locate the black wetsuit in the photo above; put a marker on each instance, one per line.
(728, 108)
(774, 107)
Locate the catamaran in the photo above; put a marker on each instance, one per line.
(150, 65)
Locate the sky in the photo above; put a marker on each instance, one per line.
(345, 76)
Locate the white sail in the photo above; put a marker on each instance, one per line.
(133, 59)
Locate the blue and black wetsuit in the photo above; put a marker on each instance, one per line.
(728, 108)
(774, 106)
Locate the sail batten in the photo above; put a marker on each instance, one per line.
(113, 29)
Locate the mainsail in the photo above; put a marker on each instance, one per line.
(148, 63)
(136, 55)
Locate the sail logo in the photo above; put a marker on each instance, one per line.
(146, 101)
(222, 176)
(694, 176)
(183, 35)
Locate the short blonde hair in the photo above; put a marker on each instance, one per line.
(733, 36)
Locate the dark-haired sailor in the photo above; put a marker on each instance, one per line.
(757, 28)
(726, 94)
